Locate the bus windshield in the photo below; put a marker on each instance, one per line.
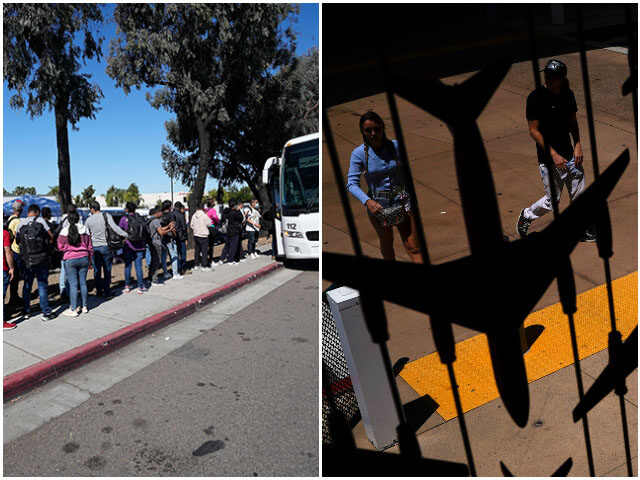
(301, 178)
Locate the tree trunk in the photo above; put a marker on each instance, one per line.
(62, 140)
(203, 168)
(263, 197)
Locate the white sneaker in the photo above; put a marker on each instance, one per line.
(157, 284)
(85, 310)
(196, 268)
(178, 277)
(254, 255)
(70, 313)
(206, 269)
(234, 263)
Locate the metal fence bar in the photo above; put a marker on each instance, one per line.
(633, 68)
(373, 313)
(566, 284)
(603, 232)
(442, 329)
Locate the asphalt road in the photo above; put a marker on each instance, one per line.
(239, 399)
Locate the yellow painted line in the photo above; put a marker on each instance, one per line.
(550, 352)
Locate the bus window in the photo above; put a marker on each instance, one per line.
(300, 192)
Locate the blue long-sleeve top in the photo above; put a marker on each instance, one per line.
(383, 172)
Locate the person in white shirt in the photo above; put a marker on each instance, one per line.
(200, 223)
(252, 218)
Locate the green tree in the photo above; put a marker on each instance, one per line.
(213, 193)
(132, 194)
(42, 59)
(114, 196)
(287, 108)
(19, 191)
(54, 190)
(85, 197)
(206, 58)
(4, 192)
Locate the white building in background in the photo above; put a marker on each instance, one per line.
(150, 200)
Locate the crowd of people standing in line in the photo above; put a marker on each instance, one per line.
(35, 244)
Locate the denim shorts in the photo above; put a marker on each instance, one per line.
(386, 201)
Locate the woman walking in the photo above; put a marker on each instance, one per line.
(74, 242)
(387, 202)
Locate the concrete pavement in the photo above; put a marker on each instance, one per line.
(551, 436)
(37, 350)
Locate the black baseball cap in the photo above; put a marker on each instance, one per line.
(555, 68)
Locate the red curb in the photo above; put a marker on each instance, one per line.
(34, 375)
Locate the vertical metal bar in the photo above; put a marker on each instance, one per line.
(568, 306)
(633, 73)
(604, 255)
(333, 155)
(408, 442)
(442, 331)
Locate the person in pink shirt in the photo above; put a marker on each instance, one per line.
(74, 242)
(213, 233)
(211, 212)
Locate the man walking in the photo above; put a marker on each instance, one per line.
(551, 113)
(35, 237)
(102, 254)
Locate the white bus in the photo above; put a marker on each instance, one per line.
(294, 190)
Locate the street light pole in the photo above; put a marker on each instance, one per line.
(172, 190)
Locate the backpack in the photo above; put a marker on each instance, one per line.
(224, 224)
(137, 228)
(34, 244)
(5, 225)
(224, 227)
(114, 241)
(167, 218)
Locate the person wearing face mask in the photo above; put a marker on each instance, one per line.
(551, 114)
(252, 219)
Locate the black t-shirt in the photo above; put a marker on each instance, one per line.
(554, 112)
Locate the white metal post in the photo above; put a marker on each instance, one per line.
(366, 366)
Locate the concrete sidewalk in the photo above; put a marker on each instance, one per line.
(551, 435)
(37, 351)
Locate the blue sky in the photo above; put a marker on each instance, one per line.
(121, 146)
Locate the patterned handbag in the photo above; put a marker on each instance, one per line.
(388, 217)
(395, 214)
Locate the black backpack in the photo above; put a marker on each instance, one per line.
(137, 228)
(114, 241)
(34, 244)
(5, 225)
(167, 218)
